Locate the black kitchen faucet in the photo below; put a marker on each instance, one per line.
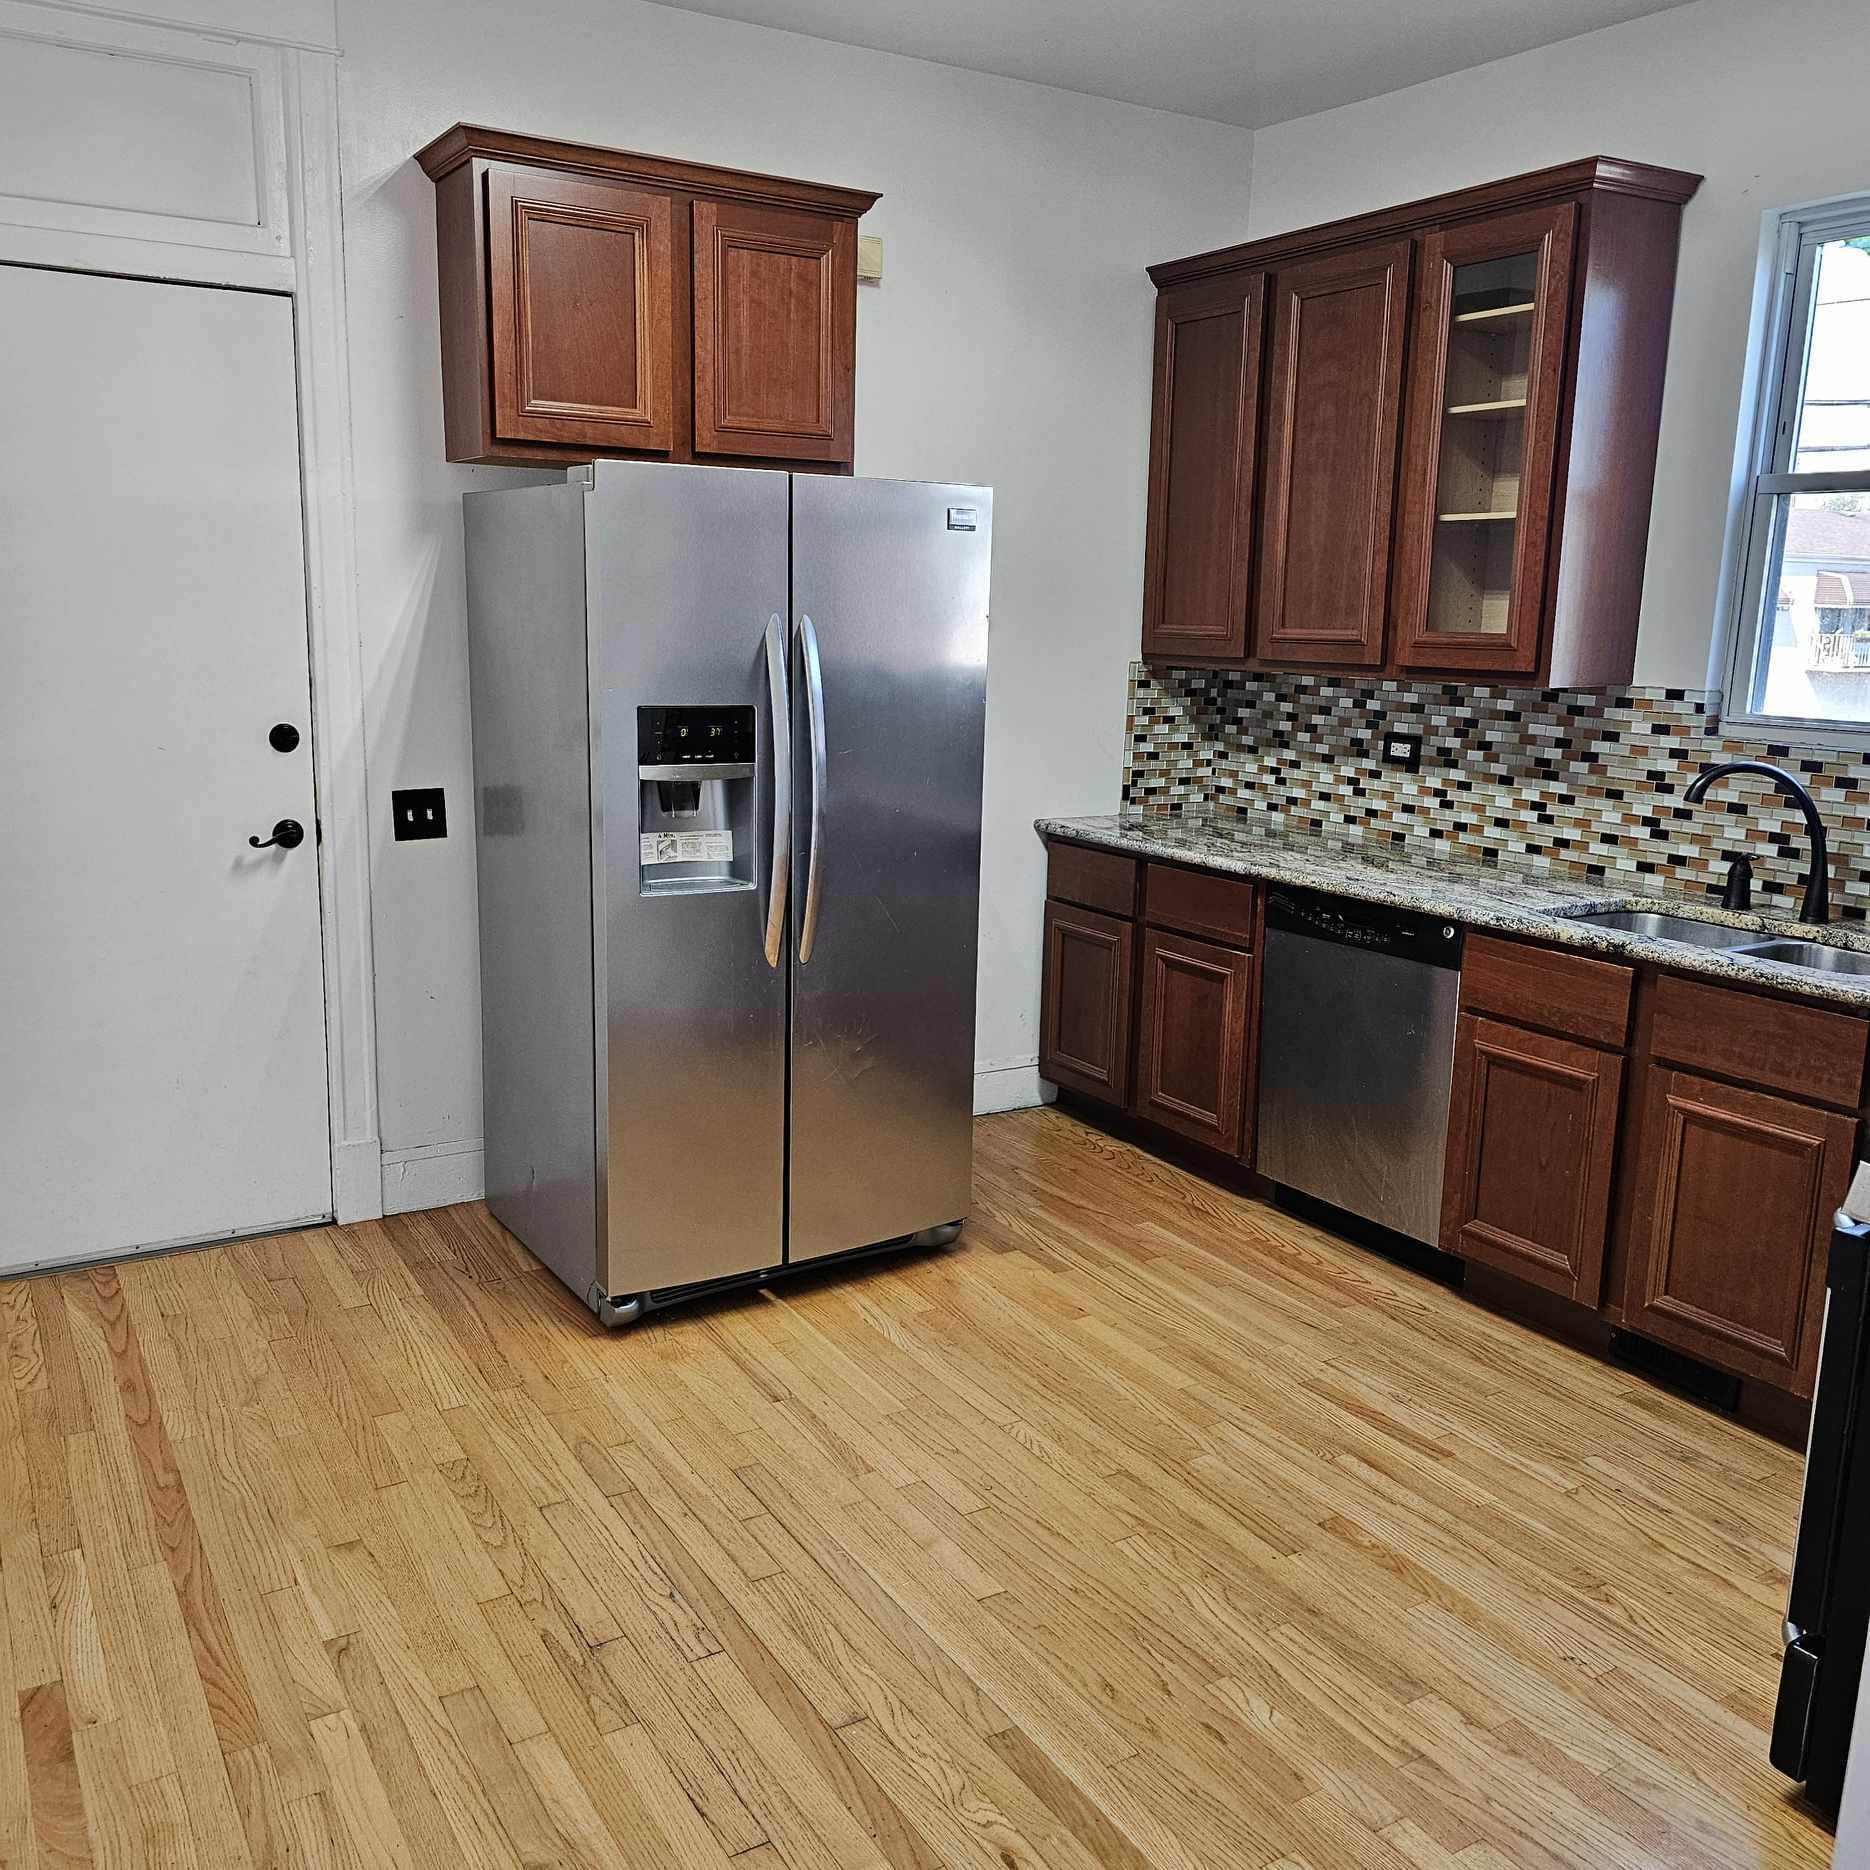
(1817, 905)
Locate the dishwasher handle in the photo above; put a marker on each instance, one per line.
(1376, 928)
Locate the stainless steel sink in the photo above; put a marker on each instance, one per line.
(1811, 954)
(1660, 927)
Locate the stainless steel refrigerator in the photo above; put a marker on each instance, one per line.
(727, 761)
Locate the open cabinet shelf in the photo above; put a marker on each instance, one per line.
(1496, 314)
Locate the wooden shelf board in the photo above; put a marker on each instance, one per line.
(1444, 518)
(1496, 314)
(1504, 406)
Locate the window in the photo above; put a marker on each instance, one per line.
(1802, 645)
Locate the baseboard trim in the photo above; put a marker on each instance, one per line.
(357, 1181)
(434, 1175)
(1009, 1084)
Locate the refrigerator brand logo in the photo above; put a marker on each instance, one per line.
(964, 519)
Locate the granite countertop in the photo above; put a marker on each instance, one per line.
(1500, 897)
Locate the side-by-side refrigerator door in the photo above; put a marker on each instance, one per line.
(688, 646)
(889, 608)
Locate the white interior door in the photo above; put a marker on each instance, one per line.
(162, 1043)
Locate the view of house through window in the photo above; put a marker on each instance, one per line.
(1809, 553)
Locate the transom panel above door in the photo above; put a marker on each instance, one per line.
(775, 308)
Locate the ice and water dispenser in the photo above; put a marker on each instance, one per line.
(695, 775)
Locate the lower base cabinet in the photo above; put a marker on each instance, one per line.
(1191, 1052)
(1085, 1007)
(1735, 1193)
(1655, 1148)
(1532, 1129)
(1147, 998)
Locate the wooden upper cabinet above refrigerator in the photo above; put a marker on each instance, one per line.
(597, 302)
(1446, 434)
(775, 331)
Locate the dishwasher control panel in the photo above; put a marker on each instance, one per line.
(1373, 926)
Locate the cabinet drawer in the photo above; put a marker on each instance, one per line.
(1200, 903)
(1545, 987)
(1806, 1051)
(1075, 873)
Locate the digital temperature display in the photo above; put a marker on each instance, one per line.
(694, 736)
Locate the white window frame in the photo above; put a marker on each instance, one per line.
(1769, 483)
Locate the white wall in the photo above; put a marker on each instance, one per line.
(1009, 344)
(1766, 101)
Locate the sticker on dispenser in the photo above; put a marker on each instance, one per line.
(687, 847)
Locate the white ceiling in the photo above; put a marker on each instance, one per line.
(1249, 62)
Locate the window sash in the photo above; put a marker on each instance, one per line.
(1772, 481)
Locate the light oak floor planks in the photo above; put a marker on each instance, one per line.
(1146, 1527)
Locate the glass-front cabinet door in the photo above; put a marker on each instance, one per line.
(1480, 442)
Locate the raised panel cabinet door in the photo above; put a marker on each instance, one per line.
(1203, 429)
(1191, 1053)
(775, 332)
(1332, 391)
(1532, 1138)
(1085, 1002)
(1732, 1224)
(580, 278)
(1480, 441)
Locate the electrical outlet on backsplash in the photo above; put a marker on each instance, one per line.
(1580, 783)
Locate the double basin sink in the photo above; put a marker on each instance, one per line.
(1690, 932)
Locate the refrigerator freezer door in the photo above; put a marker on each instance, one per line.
(687, 565)
(893, 577)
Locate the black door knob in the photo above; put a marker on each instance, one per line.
(288, 834)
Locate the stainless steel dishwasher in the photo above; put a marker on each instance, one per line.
(1357, 1013)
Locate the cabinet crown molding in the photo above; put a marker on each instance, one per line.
(1609, 174)
(467, 140)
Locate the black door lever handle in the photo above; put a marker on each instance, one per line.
(288, 834)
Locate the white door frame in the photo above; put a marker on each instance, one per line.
(293, 246)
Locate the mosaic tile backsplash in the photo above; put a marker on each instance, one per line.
(1580, 783)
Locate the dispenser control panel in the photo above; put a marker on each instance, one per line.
(720, 736)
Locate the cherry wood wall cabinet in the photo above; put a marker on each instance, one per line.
(1328, 467)
(598, 302)
(1196, 583)
(1439, 459)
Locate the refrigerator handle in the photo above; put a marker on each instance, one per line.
(781, 873)
(815, 714)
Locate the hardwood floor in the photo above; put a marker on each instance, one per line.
(1145, 1527)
